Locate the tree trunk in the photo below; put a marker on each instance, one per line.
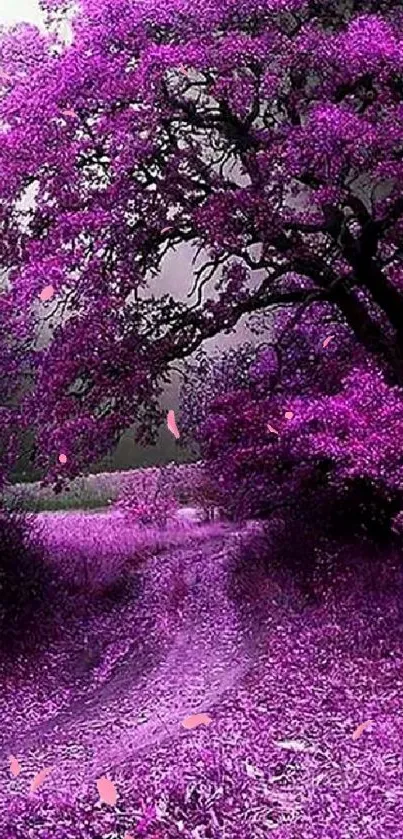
(368, 332)
(390, 300)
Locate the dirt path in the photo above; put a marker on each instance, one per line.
(204, 652)
(286, 686)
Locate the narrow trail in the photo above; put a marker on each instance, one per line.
(207, 629)
(184, 617)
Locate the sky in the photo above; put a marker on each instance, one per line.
(14, 11)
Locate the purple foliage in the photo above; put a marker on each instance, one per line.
(299, 103)
(332, 469)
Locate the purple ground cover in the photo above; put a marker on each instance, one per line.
(203, 628)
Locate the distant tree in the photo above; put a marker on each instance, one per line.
(147, 498)
(267, 133)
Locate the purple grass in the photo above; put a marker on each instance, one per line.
(286, 686)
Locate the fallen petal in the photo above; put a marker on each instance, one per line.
(270, 428)
(171, 423)
(289, 414)
(107, 791)
(327, 340)
(39, 778)
(15, 767)
(47, 293)
(68, 112)
(194, 720)
(360, 729)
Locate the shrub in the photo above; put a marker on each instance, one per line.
(57, 817)
(151, 512)
(26, 581)
(309, 443)
(149, 499)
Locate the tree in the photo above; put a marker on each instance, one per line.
(268, 134)
(304, 434)
(296, 421)
(14, 369)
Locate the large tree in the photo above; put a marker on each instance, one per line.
(267, 133)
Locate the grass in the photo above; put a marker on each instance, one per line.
(96, 550)
(81, 496)
(91, 492)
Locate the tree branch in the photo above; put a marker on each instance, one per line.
(203, 326)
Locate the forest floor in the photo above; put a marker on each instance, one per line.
(200, 628)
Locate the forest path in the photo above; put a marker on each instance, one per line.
(169, 653)
(207, 629)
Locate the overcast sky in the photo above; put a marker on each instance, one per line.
(13, 11)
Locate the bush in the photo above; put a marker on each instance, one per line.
(26, 581)
(57, 817)
(309, 432)
(149, 500)
(309, 442)
(151, 512)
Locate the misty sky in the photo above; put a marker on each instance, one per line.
(13, 11)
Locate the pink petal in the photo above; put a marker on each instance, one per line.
(270, 428)
(171, 423)
(39, 778)
(15, 767)
(327, 340)
(194, 720)
(360, 729)
(68, 112)
(107, 791)
(62, 458)
(289, 414)
(47, 293)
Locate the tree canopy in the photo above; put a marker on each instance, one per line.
(268, 134)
